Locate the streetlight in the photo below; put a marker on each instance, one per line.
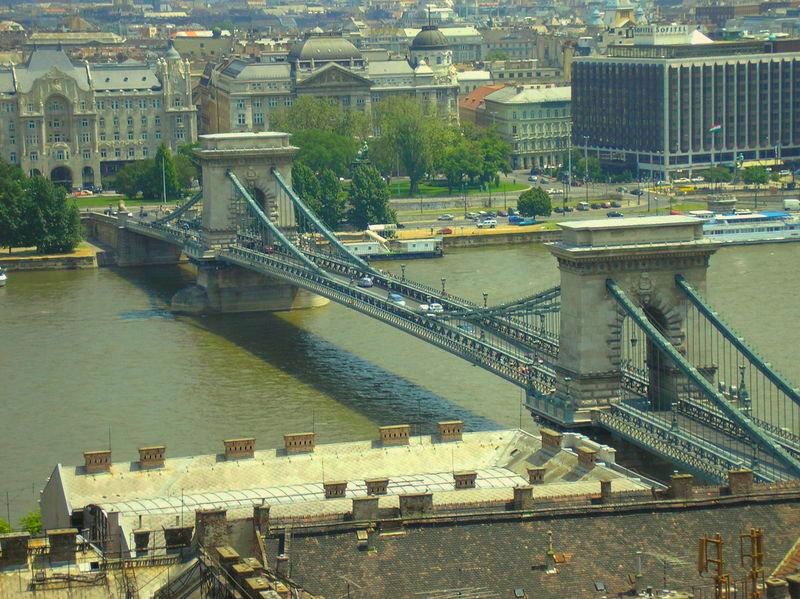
(444, 280)
(586, 166)
(403, 271)
(485, 298)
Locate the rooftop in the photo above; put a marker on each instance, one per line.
(531, 94)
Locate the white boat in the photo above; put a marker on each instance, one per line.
(751, 227)
(3, 278)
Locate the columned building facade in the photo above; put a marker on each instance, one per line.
(75, 123)
(660, 110)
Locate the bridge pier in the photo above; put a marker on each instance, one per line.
(642, 255)
(225, 289)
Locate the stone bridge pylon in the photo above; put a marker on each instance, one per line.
(225, 288)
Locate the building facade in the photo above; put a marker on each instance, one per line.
(239, 95)
(534, 120)
(662, 109)
(76, 122)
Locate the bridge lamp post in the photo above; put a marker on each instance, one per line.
(485, 298)
(444, 280)
(403, 271)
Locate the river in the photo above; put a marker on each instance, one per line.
(93, 357)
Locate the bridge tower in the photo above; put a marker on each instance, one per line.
(642, 255)
(226, 288)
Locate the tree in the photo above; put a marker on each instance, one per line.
(132, 178)
(163, 177)
(186, 171)
(322, 150)
(534, 202)
(55, 221)
(32, 522)
(4, 526)
(496, 55)
(334, 209)
(590, 166)
(369, 198)
(717, 174)
(493, 150)
(306, 186)
(11, 225)
(323, 114)
(755, 175)
(460, 160)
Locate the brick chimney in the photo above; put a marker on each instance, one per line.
(450, 430)
(237, 449)
(261, 518)
(152, 457)
(586, 457)
(681, 486)
(282, 566)
(211, 527)
(97, 461)
(551, 440)
(365, 508)
(777, 588)
(62, 544)
(14, 548)
(335, 489)
(605, 491)
(740, 482)
(415, 504)
(465, 479)
(523, 497)
(536, 474)
(397, 434)
(377, 486)
(299, 442)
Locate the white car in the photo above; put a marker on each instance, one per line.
(698, 179)
(489, 223)
(683, 180)
(445, 217)
(533, 178)
(552, 190)
(437, 308)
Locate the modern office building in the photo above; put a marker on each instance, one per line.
(239, 95)
(663, 109)
(534, 119)
(75, 122)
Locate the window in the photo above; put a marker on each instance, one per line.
(288, 101)
(33, 140)
(12, 140)
(102, 136)
(158, 120)
(9, 107)
(116, 122)
(100, 104)
(84, 138)
(179, 120)
(101, 123)
(54, 124)
(34, 156)
(273, 102)
(84, 122)
(257, 103)
(128, 103)
(54, 106)
(180, 134)
(11, 125)
(131, 153)
(156, 103)
(144, 135)
(360, 101)
(145, 152)
(61, 155)
(258, 118)
(103, 153)
(13, 158)
(241, 119)
(176, 103)
(117, 153)
(31, 124)
(514, 115)
(143, 104)
(116, 135)
(114, 104)
(30, 106)
(130, 135)
(130, 121)
(158, 134)
(144, 121)
(87, 154)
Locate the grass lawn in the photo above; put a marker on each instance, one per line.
(105, 201)
(687, 206)
(432, 189)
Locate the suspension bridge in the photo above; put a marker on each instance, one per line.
(626, 343)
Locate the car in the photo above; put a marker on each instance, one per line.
(558, 210)
(436, 308)
(515, 219)
(785, 173)
(526, 222)
(682, 180)
(513, 212)
(621, 189)
(269, 249)
(533, 178)
(81, 193)
(491, 214)
(582, 206)
(472, 215)
(568, 209)
(558, 191)
(616, 204)
(662, 183)
(595, 206)
(697, 179)
(638, 192)
(614, 214)
(398, 299)
(401, 226)
(502, 213)
(92, 187)
(467, 328)
(488, 223)
(445, 217)
(445, 231)
(606, 205)
(365, 282)
(552, 191)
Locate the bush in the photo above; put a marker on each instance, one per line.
(534, 202)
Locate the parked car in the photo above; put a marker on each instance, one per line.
(472, 215)
(616, 204)
(365, 282)
(606, 205)
(489, 223)
(614, 214)
(92, 187)
(445, 217)
(558, 210)
(595, 206)
(682, 180)
(552, 191)
(502, 213)
(515, 219)
(621, 189)
(637, 192)
(785, 173)
(583, 206)
(568, 208)
(526, 222)
(81, 193)
(445, 231)
(512, 211)
(533, 178)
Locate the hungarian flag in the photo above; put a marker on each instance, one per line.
(715, 128)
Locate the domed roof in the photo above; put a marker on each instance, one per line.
(324, 47)
(172, 52)
(430, 38)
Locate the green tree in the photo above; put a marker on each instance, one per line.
(4, 526)
(32, 522)
(164, 176)
(461, 161)
(186, 171)
(407, 135)
(493, 150)
(589, 166)
(321, 150)
(54, 220)
(334, 208)
(131, 179)
(323, 114)
(534, 202)
(11, 225)
(757, 176)
(717, 174)
(306, 186)
(496, 54)
(369, 198)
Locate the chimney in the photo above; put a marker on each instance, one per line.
(211, 527)
(365, 508)
(152, 457)
(261, 518)
(62, 544)
(450, 430)
(681, 486)
(465, 479)
(523, 497)
(236, 449)
(242, 572)
(14, 549)
(415, 504)
(794, 586)
(536, 474)
(777, 588)
(377, 486)
(740, 482)
(282, 566)
(335, 489)
(605, 491)
(551, 440)
(395, 435)
(586, 457)
(97, 461)
(299, 443)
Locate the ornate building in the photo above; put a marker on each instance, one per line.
(239, 95)
(76, 122)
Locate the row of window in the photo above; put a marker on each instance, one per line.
(257, 102)
(538, 128)
(542, 113)
(127, 103)
(62, 154)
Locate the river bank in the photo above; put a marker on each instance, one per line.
(84, 256)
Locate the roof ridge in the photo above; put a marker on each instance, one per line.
(790, 562)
